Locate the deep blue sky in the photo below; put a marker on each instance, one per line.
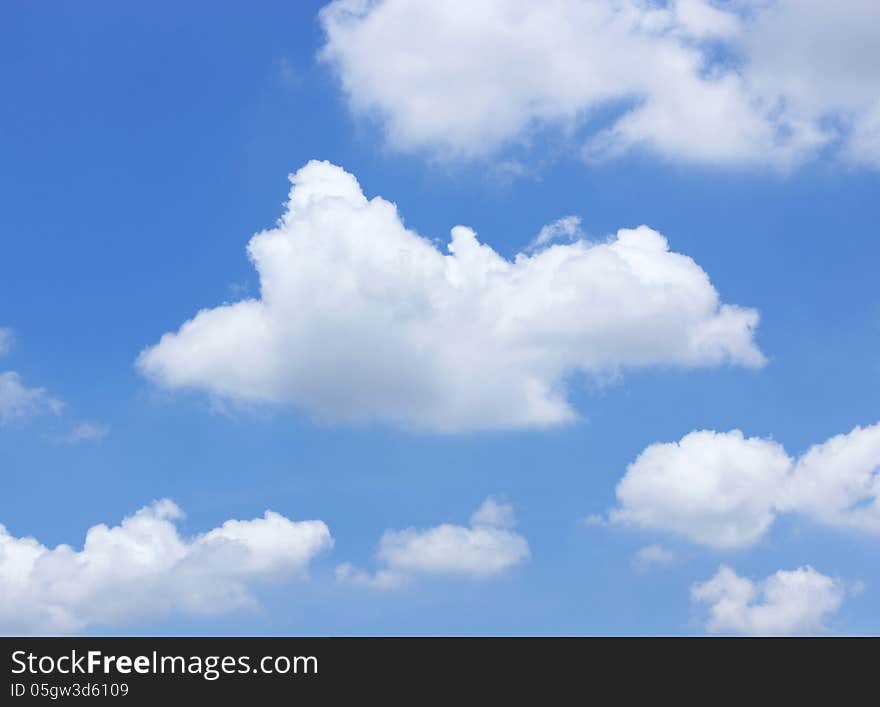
(142, 145)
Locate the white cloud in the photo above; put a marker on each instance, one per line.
(86, 432)
(838, 482)
(724, 490)
(360, 319)
(692, 80)
(820, 58)
(652, 556)
(144, 568)
(487, 548)
(18, 402)
(714, 488)
(792, 602)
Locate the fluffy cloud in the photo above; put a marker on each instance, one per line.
(756, 81)
(487, 548)
(792, 602)
(713, 488)
(838, 482)
(18, 402)
(724, 490)
(362, 319)
(143, 568)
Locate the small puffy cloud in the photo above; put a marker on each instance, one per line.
(143, 568)
(690, 80)
(18, 402)
(652, 556)
(487, 548)
(724, 490)
(714, 488)
(361, 319)
(794, 602)
(86, 432)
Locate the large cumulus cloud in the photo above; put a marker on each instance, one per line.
(362, 319)
(735, 83)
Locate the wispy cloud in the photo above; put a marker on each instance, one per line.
(19, 403)
(86, 432)
(566, 228)
(652, 556)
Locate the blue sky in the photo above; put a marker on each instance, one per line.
(143, 147)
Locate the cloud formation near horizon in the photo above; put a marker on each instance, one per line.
(143, 568)
(795, 602)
